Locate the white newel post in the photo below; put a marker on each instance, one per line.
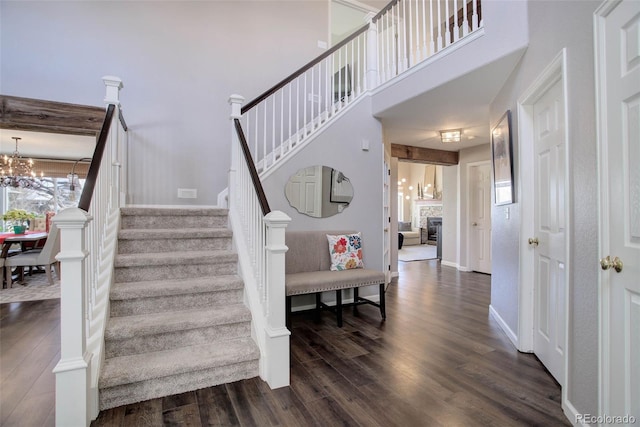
(372, 53)
(113, 85)
(236, 106)
(73, 370)
(277, 337)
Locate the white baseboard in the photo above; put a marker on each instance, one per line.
(395, 274)
(455, 265)
(572, 414)
(503, 325)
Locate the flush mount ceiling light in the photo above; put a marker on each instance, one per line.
(452, 135)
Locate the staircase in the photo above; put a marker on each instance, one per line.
(177, 319)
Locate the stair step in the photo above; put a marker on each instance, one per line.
(174, 265)
(175, 258)
(134, 378)
(155, 296)
(132, 241)
(158, 288)
(163, 331)
(154, 218)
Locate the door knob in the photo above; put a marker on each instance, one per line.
(475, 224)
(533, 241)
(615, 263)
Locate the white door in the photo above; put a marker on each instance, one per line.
(480, 217)
(304, 191)
(549, 230)
(618, 64)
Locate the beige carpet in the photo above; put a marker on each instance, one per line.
(417, 252)
(34, 288)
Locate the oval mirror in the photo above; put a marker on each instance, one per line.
(319, 191)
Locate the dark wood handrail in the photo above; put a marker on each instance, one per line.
(262, 198)
(94, 168)
(384, 10)
(122, 122)
(301, 70)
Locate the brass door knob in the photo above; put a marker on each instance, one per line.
(475, 224)
(533, 241)
(615, 263)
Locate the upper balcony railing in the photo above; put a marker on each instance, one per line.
(402, 35)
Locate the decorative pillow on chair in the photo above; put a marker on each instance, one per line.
(345, 251)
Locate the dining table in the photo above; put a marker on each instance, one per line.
(9, 239)
(28, 240)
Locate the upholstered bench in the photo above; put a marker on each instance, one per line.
(308, 264)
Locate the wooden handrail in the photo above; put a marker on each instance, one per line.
(384, 10)
(122, 122)
(301, 70)
(94, 168)
(262, 198)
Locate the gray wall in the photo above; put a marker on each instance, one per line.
(179, 60)
(339, 146)
(554, 25)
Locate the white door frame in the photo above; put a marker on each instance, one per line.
(469, 249)
(556, 70)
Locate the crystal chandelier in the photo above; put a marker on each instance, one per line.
(16, 171)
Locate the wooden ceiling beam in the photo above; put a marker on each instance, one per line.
(410, 153)
(48, 116)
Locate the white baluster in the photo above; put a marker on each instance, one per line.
(432, 43)
(439, 27)
(456, 21)
(465, 21)
(474, 18)
(425, 52)
(372, 54)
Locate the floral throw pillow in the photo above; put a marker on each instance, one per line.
(345, 251)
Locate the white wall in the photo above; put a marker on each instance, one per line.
(179, 60)
(555, 25)
(450, 215)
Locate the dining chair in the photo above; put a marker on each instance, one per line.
(45, 257)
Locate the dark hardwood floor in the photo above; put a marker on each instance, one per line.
(29, 350)
(439, 359)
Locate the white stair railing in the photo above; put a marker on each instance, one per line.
(258, 234)
(88, 239)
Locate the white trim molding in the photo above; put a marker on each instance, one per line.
(503, 325)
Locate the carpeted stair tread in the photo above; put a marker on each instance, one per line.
(157, 288)
(171, 233)
(173, 212)
(158, 323)
(174, 258)
(159, 364)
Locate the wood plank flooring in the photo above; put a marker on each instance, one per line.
(438, 360)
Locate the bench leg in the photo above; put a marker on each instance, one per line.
(288, 312)
(318, 311)
(355, 301)
(339, 307)
(383, 311)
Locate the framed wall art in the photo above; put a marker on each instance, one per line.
(502, 160)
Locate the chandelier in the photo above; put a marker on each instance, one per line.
(16, 171)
